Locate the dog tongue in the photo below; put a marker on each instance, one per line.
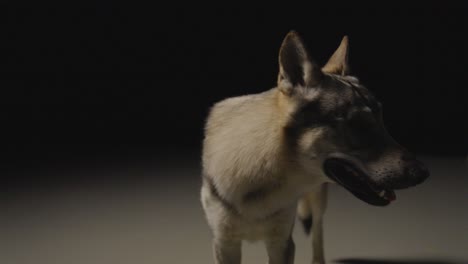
(389, 195)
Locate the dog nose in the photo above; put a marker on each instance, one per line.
(416, 171)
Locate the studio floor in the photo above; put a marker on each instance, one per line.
(157, 218)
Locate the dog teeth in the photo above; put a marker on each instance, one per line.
(382, 193)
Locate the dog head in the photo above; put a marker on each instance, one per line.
(334, 119)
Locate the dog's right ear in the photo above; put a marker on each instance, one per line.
(338, 62)
(295, 67)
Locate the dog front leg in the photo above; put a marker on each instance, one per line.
(280, 252)
(227, 251)
(317, 242)
(318, 205)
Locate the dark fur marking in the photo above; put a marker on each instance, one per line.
(365, 131)
(255, 194)
(216, 194)
(289, 252)
(308, 116)
(260, 192)
(307, 224)
(214, 191)
(311, 115)
(367, 98)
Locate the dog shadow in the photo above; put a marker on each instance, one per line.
(393, 261)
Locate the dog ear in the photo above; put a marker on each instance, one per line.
(295, 67)
(338, 62)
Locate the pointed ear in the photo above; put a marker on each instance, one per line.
(295, 67)
(338, 63)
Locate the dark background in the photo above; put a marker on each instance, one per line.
(120, 83)
(102, 108)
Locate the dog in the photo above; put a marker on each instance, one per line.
(268, 157)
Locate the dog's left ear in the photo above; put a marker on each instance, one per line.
(338, 62)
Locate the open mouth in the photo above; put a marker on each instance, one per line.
(355, 180)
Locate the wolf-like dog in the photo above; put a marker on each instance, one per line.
(268, 157)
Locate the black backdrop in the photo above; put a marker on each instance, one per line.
(119, 81)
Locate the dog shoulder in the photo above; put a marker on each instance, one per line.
(240, 138)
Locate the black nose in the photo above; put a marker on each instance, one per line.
(416, 171)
